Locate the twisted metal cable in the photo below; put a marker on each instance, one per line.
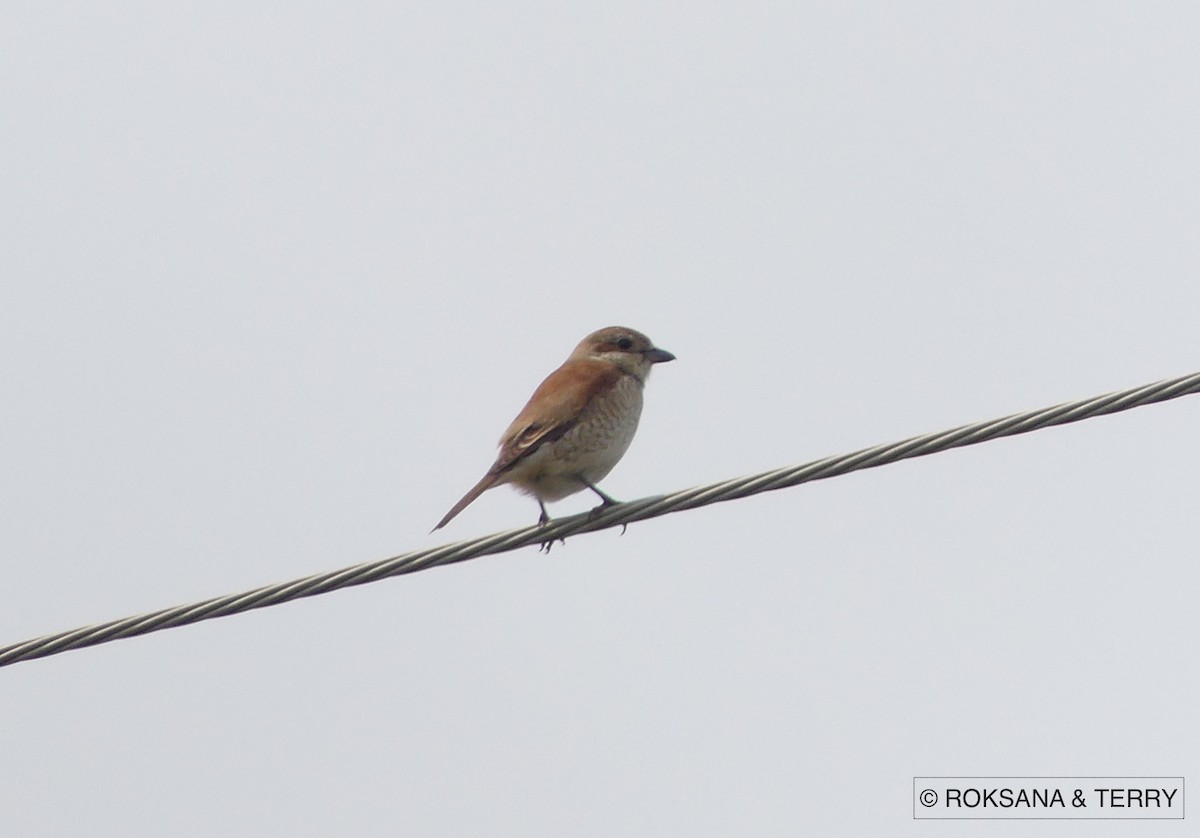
(621, 513)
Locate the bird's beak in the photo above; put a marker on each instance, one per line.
(658, 356)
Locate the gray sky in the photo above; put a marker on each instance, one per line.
(276, 276)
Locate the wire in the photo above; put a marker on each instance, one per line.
(611, 516)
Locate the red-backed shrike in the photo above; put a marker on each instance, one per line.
(578, 423)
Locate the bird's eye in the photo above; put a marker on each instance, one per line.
(624, 344)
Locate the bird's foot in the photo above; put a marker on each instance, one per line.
(595, 511)
(545, 546)
(605, 503)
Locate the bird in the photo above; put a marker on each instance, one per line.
(577, 424)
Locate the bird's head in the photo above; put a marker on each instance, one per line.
(627, 349)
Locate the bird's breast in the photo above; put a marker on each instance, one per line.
(607, 425)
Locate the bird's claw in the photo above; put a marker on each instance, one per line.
(545, 546)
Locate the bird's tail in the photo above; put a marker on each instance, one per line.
(488, 481)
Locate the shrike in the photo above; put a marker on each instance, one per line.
(578, 423)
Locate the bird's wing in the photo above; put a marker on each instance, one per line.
(555, 407)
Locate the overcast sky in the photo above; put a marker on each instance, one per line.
(274, 278)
